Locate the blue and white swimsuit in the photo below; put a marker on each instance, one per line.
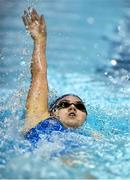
(44, 127)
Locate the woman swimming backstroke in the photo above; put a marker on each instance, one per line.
(68, 109)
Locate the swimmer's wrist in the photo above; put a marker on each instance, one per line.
(39, 37)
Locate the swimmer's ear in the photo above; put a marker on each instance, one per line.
(53, 112)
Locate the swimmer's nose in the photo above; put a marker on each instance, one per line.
(72, 108)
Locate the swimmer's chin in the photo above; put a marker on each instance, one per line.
(71, 125)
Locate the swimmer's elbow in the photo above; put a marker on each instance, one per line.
(39, 73)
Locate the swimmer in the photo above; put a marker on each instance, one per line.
(69, 110)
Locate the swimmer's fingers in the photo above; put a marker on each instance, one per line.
(25, 21)
(39, 20)
(35, 16)
(42, 21)
(30, 16)
(42, 24)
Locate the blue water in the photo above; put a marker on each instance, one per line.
(88, 50)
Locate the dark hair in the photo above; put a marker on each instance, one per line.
(54, 103)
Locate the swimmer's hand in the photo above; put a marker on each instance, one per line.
(35, 24)
(96, 135)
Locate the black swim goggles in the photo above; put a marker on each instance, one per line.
(65, 104)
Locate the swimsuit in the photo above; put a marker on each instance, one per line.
(46, 126)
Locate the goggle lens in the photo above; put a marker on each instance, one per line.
(65, 104)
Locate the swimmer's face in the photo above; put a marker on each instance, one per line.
(71, 112)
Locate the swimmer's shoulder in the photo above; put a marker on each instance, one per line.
(46, 126)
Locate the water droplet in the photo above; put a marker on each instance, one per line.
(106, 73)
(113, 62)
(22, 63)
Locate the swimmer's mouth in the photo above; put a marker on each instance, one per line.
(72, 114)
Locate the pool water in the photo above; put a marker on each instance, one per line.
(88, 50)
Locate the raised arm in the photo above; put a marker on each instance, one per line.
(37, 99)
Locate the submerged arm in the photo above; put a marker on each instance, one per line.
(37, 99)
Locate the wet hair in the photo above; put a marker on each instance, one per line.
(53, 105)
